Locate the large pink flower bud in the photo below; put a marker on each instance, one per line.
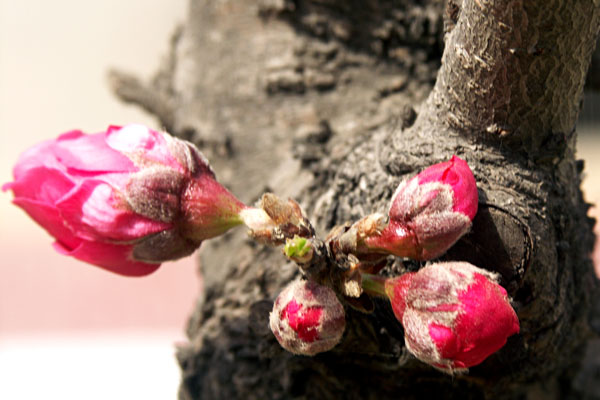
(454, 314)
(125, 199)
(429, 212)
(307, 318)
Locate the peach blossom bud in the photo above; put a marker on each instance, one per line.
(307, 318)
(454, 314)
(429, 212)
(125, 199)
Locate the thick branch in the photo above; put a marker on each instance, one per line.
(515, 69)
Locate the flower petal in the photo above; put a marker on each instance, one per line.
(94, 211)
(112, 257)
(82, 152)
(37, 156)
(49, 218)
(46, 185)
(141, 144)
(486, 321)
(456, 173)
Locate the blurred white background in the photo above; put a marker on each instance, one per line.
(69, 330)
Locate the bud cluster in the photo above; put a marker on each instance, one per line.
(130, 198)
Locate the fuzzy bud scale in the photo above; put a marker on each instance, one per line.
(454, 314)
(307, 318)
(429, 212)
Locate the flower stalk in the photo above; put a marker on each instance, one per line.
(374, 285)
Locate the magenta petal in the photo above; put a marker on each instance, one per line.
(458, 175)
(465, 188)
(303, 320)
(131, 138)
(42, 184)
(486, 322)
(141, 142)
(112, 257)
(438, 172)
(37, 156)
(94, 210)
(48, 217)
(89, 153)
(444, 339)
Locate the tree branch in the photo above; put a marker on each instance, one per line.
(514, 70)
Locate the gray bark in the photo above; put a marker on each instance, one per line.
(332, 103)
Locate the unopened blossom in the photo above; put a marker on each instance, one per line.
(307, 318)
(429, 212)
(454, 314)
(125, 199)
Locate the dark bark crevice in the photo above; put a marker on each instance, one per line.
(593, 78)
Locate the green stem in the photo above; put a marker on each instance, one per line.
(374, 285)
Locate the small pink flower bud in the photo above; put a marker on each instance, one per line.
(429, 212)
(307, 318)
(125, 199)
(454, 314)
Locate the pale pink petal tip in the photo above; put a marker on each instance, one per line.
(456, 173)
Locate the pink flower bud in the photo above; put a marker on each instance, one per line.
(429, 212)
(125, 199)
(307, 318)
(454, 314)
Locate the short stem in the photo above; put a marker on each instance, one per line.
(256, 219)
(395, 239)
(208, 209)
(260, 226)
(374, 285)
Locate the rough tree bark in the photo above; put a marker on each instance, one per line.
(332, 103)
